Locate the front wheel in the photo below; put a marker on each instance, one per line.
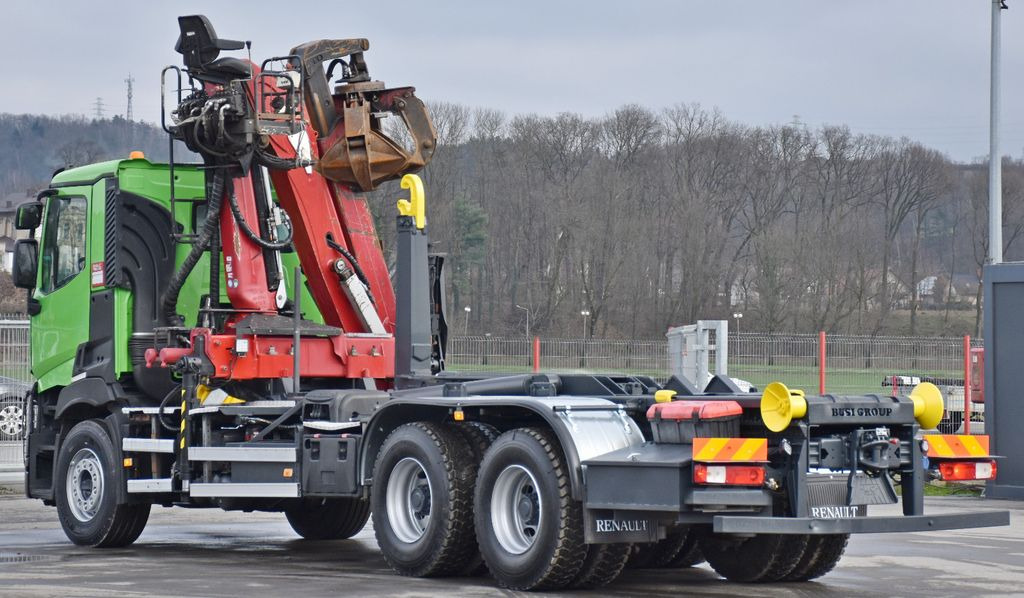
(528, 527)
(85, 491)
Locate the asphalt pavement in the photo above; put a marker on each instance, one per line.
(213, 553)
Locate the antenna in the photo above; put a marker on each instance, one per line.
(128, 113)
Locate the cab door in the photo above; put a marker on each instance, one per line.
(61, 323)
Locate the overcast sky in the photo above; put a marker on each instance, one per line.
(895, 67)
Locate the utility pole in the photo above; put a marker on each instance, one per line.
(128, 112)
(995, 162)
(128, 116)
(98, 108)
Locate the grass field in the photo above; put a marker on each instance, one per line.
(837, 381)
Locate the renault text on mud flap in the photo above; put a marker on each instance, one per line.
(861, 411)
(614, 525)
(838, 512)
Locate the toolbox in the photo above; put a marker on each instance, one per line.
(682, 421)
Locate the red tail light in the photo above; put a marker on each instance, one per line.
(728, 475)
(953, 471)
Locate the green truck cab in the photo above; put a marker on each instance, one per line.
(103, 244)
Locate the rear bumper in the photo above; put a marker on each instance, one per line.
(734, 524)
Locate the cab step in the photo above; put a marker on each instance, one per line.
(252, 454)
(149, 486)
(147, 445)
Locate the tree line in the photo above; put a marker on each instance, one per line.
(646, 219)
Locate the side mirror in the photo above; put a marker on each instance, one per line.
(29, 215)
(26, 260)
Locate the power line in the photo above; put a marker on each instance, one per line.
(98, 108)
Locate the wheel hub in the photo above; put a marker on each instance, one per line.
(408, 501)
(516, 509)
(85, 484)
(525, 507)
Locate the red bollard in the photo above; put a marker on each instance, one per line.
(536, 354)
(967, 384)
(821, 362)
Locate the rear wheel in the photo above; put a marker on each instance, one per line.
(679, 549)
(529, 528)
(758, 559)
(422, 500)
(334, 519)
(820, 557)
(479, 436)
(603, 564)
(88, 475)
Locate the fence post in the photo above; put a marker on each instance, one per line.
(821, 362)
(536, 354)
(967, 384)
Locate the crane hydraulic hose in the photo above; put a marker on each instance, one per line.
(253, 235)
(276, 163)
(201, 244)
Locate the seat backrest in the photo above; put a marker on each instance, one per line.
(198, 42)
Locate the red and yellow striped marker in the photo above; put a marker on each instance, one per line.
(956, 446)
(730, 450)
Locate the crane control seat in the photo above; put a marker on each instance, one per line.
(200, 47)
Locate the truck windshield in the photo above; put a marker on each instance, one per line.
(63, 241)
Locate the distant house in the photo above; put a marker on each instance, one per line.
(965, 289)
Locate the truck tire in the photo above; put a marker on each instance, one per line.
(529, 528)
(479, 436)
(679, 549)
(820, 557)
(602, 565)
(422, 500)
(89, 474)
(334, 519)
(757, 559)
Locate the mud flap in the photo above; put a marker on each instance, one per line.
(605, 526)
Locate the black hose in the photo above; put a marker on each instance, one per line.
(175, 392)
(170, 297)
(276, 163)
(214, 296)
(351, 260)
(253, 235)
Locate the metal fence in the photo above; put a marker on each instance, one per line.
(15, 379)
(515, 354)
(853, 364)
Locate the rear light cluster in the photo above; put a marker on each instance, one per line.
(728, 475)
(958, 471)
